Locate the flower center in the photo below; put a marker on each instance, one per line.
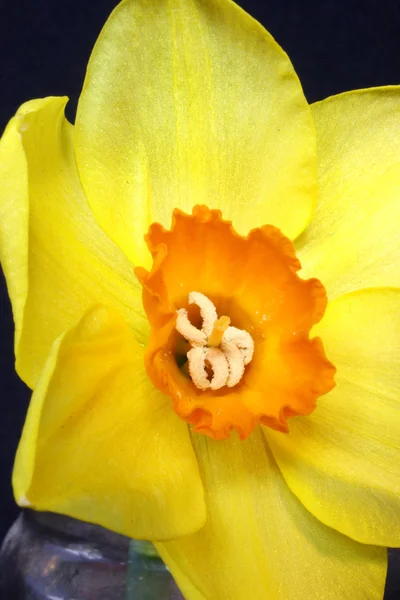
(216, 347)
(194, 354)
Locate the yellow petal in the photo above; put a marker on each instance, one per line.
(353, 239)
(14, 222)
(190, 102)
(56, 258)
(259, 542)
(101, 444)
(343, 461)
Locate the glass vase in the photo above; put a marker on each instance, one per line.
(52, 557)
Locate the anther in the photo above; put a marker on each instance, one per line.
(208, 311)
(189, 331)
(242, 340)
(198, 359)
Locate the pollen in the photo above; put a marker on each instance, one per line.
(218, 352)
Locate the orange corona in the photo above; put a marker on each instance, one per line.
(251, 284)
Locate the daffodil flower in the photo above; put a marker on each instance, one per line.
(184, 380)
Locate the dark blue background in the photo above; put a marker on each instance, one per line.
(335, 46)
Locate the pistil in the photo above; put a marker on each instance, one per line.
(219, 328)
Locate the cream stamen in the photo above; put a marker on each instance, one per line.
(208, 311)
(197, 367)
(198, 358)
(225, 349)
(189, 331)
(236, 362)
(242, 340)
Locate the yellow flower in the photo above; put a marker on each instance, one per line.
(190, 104)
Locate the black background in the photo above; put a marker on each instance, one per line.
(335, 45)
